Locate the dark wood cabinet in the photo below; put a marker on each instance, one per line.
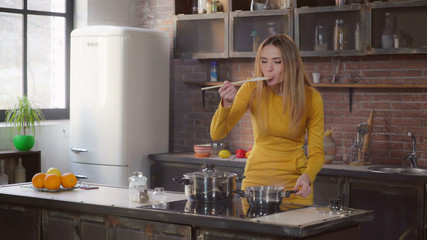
(398, 208)
(31, 161)
(20, 223)
(68, 225)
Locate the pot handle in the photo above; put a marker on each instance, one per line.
(184, 181)
(240, 178)
(240, 192)
(288, 193)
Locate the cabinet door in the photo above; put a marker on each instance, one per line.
(249, 28)
(307, 28)
(326, 188)
(398, 208)
(201, 36)
(65, 225)
(19, 223)
(409, 27)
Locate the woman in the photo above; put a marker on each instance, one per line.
(284, 109)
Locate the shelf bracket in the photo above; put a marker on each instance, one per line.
(350, 99)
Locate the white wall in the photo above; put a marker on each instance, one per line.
(106, 12)
(52, 139)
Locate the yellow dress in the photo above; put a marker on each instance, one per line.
(277, 157)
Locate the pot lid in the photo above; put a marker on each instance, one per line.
(210, 172)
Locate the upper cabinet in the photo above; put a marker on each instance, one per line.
(331, 30)
(398, 27)
(235, 28)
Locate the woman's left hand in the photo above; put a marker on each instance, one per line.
(303, 186)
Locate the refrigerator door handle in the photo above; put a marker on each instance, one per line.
(78, 149)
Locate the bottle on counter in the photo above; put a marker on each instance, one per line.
(387, 34)
(195, 7)
(201, 6)
(19, 172)
(357, 42)
(4, 179)
(214, 72)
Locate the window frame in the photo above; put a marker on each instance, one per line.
(57, 113)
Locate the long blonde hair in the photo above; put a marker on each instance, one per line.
(294, 78)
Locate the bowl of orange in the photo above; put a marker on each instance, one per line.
(202, 150)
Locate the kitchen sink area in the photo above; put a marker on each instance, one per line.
(399, 170)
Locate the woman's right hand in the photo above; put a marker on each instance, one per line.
(227, 92)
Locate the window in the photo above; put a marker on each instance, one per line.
(34, 54)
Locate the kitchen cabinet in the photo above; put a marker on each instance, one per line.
(67, 225)
(215, 36)
(201, 36)
(20, 223)
(249, 28)
(308, 22)
(398, 208)
(409, 25)
(31, 161)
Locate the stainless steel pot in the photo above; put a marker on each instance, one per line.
(265, 196)
(211, 208)
(209, 185)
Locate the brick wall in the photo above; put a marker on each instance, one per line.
(396, 111)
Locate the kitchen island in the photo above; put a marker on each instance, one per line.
(356, 186)
(106, 213)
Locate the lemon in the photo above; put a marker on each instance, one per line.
(224, 153)
(53, 170)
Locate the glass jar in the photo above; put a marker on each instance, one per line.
(159, 195)
(137, 184)
(272, 28)
(341, 37)
(320, 41)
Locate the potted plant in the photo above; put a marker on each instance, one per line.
(23, 117)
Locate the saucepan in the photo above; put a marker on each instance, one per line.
(209, 185)
(265, 196)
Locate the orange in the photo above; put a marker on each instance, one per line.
(68, 180)
(52, 182)
(53, 170)
(38, 180)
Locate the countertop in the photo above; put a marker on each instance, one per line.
(335, 169)
(114, 201)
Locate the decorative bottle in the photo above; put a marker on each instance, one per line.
(387, 35)
(19, 172)
(357, 43)
(214, 72)
(4, 179)
(340, 35)
(255, 40)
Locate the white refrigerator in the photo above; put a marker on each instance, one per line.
(119, 101)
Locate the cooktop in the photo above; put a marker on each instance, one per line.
(237, 208)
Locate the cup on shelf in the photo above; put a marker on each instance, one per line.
(316, 77)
